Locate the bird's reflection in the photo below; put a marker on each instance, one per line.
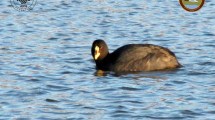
(138, 75)
(100, 73)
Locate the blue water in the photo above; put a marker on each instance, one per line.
(47, 71)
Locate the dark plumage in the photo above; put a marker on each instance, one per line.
(133, 57)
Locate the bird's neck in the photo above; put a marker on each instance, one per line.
(103, 63)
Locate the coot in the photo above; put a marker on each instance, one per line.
(133, 57)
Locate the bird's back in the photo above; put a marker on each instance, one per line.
(142, 57)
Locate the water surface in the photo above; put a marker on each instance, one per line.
(47, 71)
